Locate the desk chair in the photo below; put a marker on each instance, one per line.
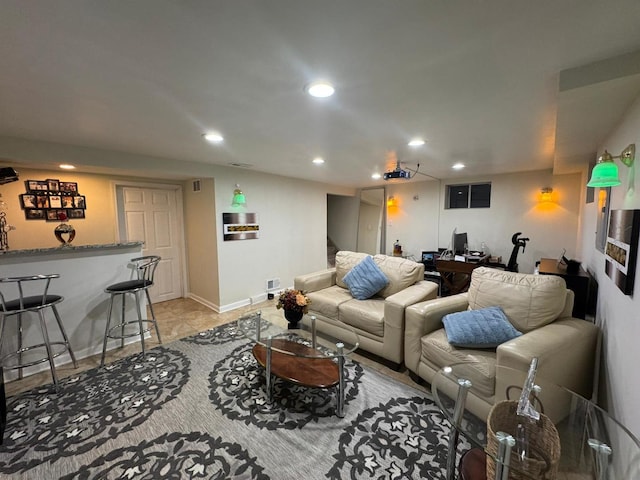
(35, 304)
(145, 270)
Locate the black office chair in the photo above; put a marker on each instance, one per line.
(145, 271)
(36, 304)
(518, 242)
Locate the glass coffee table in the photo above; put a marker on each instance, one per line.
(303, 355)
(589, 443)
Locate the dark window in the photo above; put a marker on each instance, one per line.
(480, 195)
(458, 196)
(477, 195)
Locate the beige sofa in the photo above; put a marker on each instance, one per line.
(379, 321)
(539, 306)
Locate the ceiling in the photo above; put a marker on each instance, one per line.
(479, 80)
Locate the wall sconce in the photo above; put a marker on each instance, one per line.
(391, 202)
(239, 199)
(545, 195)
(605, 173)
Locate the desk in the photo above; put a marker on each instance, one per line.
(581, 283)
(456, 276)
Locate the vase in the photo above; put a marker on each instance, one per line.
(62, 230)
(293, 317)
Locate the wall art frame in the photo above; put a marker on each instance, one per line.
(621, 249)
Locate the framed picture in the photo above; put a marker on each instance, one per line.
(67, 201)
(34, 214)
(53, 215)
(28, 200)
(621, 249)
(55, 201)
(53, 185)
(36, 185)
(79, 201)
(76, 213)
(42, 201)
(69, 187)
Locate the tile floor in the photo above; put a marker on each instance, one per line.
(176, 319)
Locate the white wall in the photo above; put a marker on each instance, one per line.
(617, 313)
(342, 221)
(420, 221)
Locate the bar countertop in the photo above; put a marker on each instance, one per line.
(68, 249)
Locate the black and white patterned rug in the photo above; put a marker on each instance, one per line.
(196, 408)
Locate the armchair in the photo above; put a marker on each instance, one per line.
(539, 306)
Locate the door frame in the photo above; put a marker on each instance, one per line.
(119, 211)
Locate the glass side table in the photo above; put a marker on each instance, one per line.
(593, 445)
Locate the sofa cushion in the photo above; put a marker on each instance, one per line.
(401, 273)
(327, 300)
(483, 328)
(367, 315)
(529, 301)
(481, 368)
(365, 279)
(345, 261)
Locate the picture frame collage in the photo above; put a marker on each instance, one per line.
(52, 200)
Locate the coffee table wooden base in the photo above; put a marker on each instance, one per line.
(313, 370)
(303, 366)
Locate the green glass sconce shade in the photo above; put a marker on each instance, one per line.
(239, 199)
(605, 173)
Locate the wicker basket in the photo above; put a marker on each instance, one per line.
(544, 444)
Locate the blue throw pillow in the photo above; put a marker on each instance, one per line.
(483, 328)
(365, 279)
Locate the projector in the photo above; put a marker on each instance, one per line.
(397, 173)
(7, 175)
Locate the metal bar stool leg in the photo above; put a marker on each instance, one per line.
(106, 330)
(124, 301)
(20, 345)
(140, 326)
(153, 315)
(64, 336)
(47, 344)
(3, 320)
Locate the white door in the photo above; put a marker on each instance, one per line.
(151, 215)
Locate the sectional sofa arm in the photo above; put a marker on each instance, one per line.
(426, 317)
(566, 351)
(396, 304)
(312, 282)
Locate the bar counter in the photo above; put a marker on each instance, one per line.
(85, 271)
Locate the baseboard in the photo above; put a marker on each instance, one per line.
(204, 302)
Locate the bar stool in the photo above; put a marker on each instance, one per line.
(35, 304)
(145, 270)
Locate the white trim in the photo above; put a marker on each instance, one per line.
(204, 302)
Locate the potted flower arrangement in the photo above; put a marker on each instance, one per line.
(294, 303)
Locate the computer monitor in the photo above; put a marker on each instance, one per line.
(459, 242)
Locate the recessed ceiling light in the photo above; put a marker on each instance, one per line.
(66, 166)
(458, 166)
(320, 89)
(416, 142)
(213, 137)
(318, 160)
(376, 176)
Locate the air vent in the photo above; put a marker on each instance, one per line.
(196, 185)
(241, 165)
